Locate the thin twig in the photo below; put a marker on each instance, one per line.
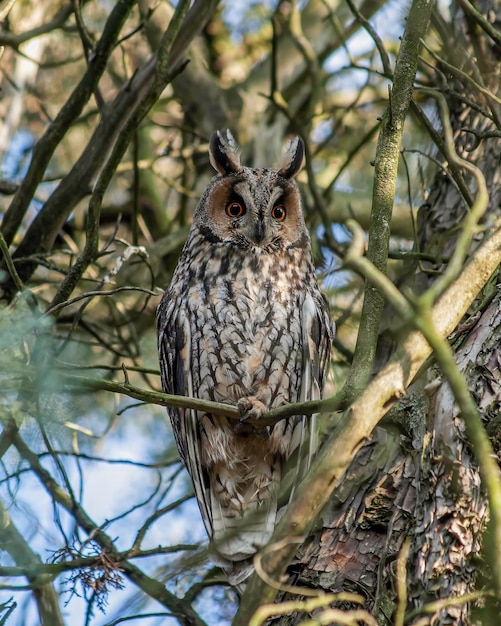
(11, 268)
(433, 607)
(92, 294)
(466, 77)
(385, 59)
(471, 219)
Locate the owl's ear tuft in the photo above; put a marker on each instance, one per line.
(292, 161)
(223, 153)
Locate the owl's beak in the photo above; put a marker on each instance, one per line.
(259, 232)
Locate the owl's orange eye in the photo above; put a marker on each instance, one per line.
(234, 209)
(278, 212)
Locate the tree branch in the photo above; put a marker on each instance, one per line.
(76, 382)
(130, 105)
(29, 563)
(157, 590)
(14, 40)
(47, 144)
(385, 176)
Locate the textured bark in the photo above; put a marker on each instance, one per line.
(451, 509)
(418, 478)
(451, 506)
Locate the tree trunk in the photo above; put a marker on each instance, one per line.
(416, 483)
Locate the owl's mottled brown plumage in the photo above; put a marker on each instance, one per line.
(244, 322)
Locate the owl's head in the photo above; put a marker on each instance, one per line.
(256, 208)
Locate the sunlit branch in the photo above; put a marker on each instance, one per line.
(92, 294)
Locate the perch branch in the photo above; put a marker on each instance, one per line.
(76, 382)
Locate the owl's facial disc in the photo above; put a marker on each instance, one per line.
(254, 208)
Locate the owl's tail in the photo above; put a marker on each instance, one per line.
(244, 513)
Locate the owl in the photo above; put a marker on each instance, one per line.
(244, 322)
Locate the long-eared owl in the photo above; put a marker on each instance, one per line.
(244, 322)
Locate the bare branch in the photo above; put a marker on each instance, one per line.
(15, 40)
(45, 147)
(29, 562)
(150, 586)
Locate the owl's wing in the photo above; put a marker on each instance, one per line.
(174, 346)
(319, 329)
(314, 364)
(316, 342)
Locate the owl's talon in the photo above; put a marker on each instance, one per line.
(250, 409)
